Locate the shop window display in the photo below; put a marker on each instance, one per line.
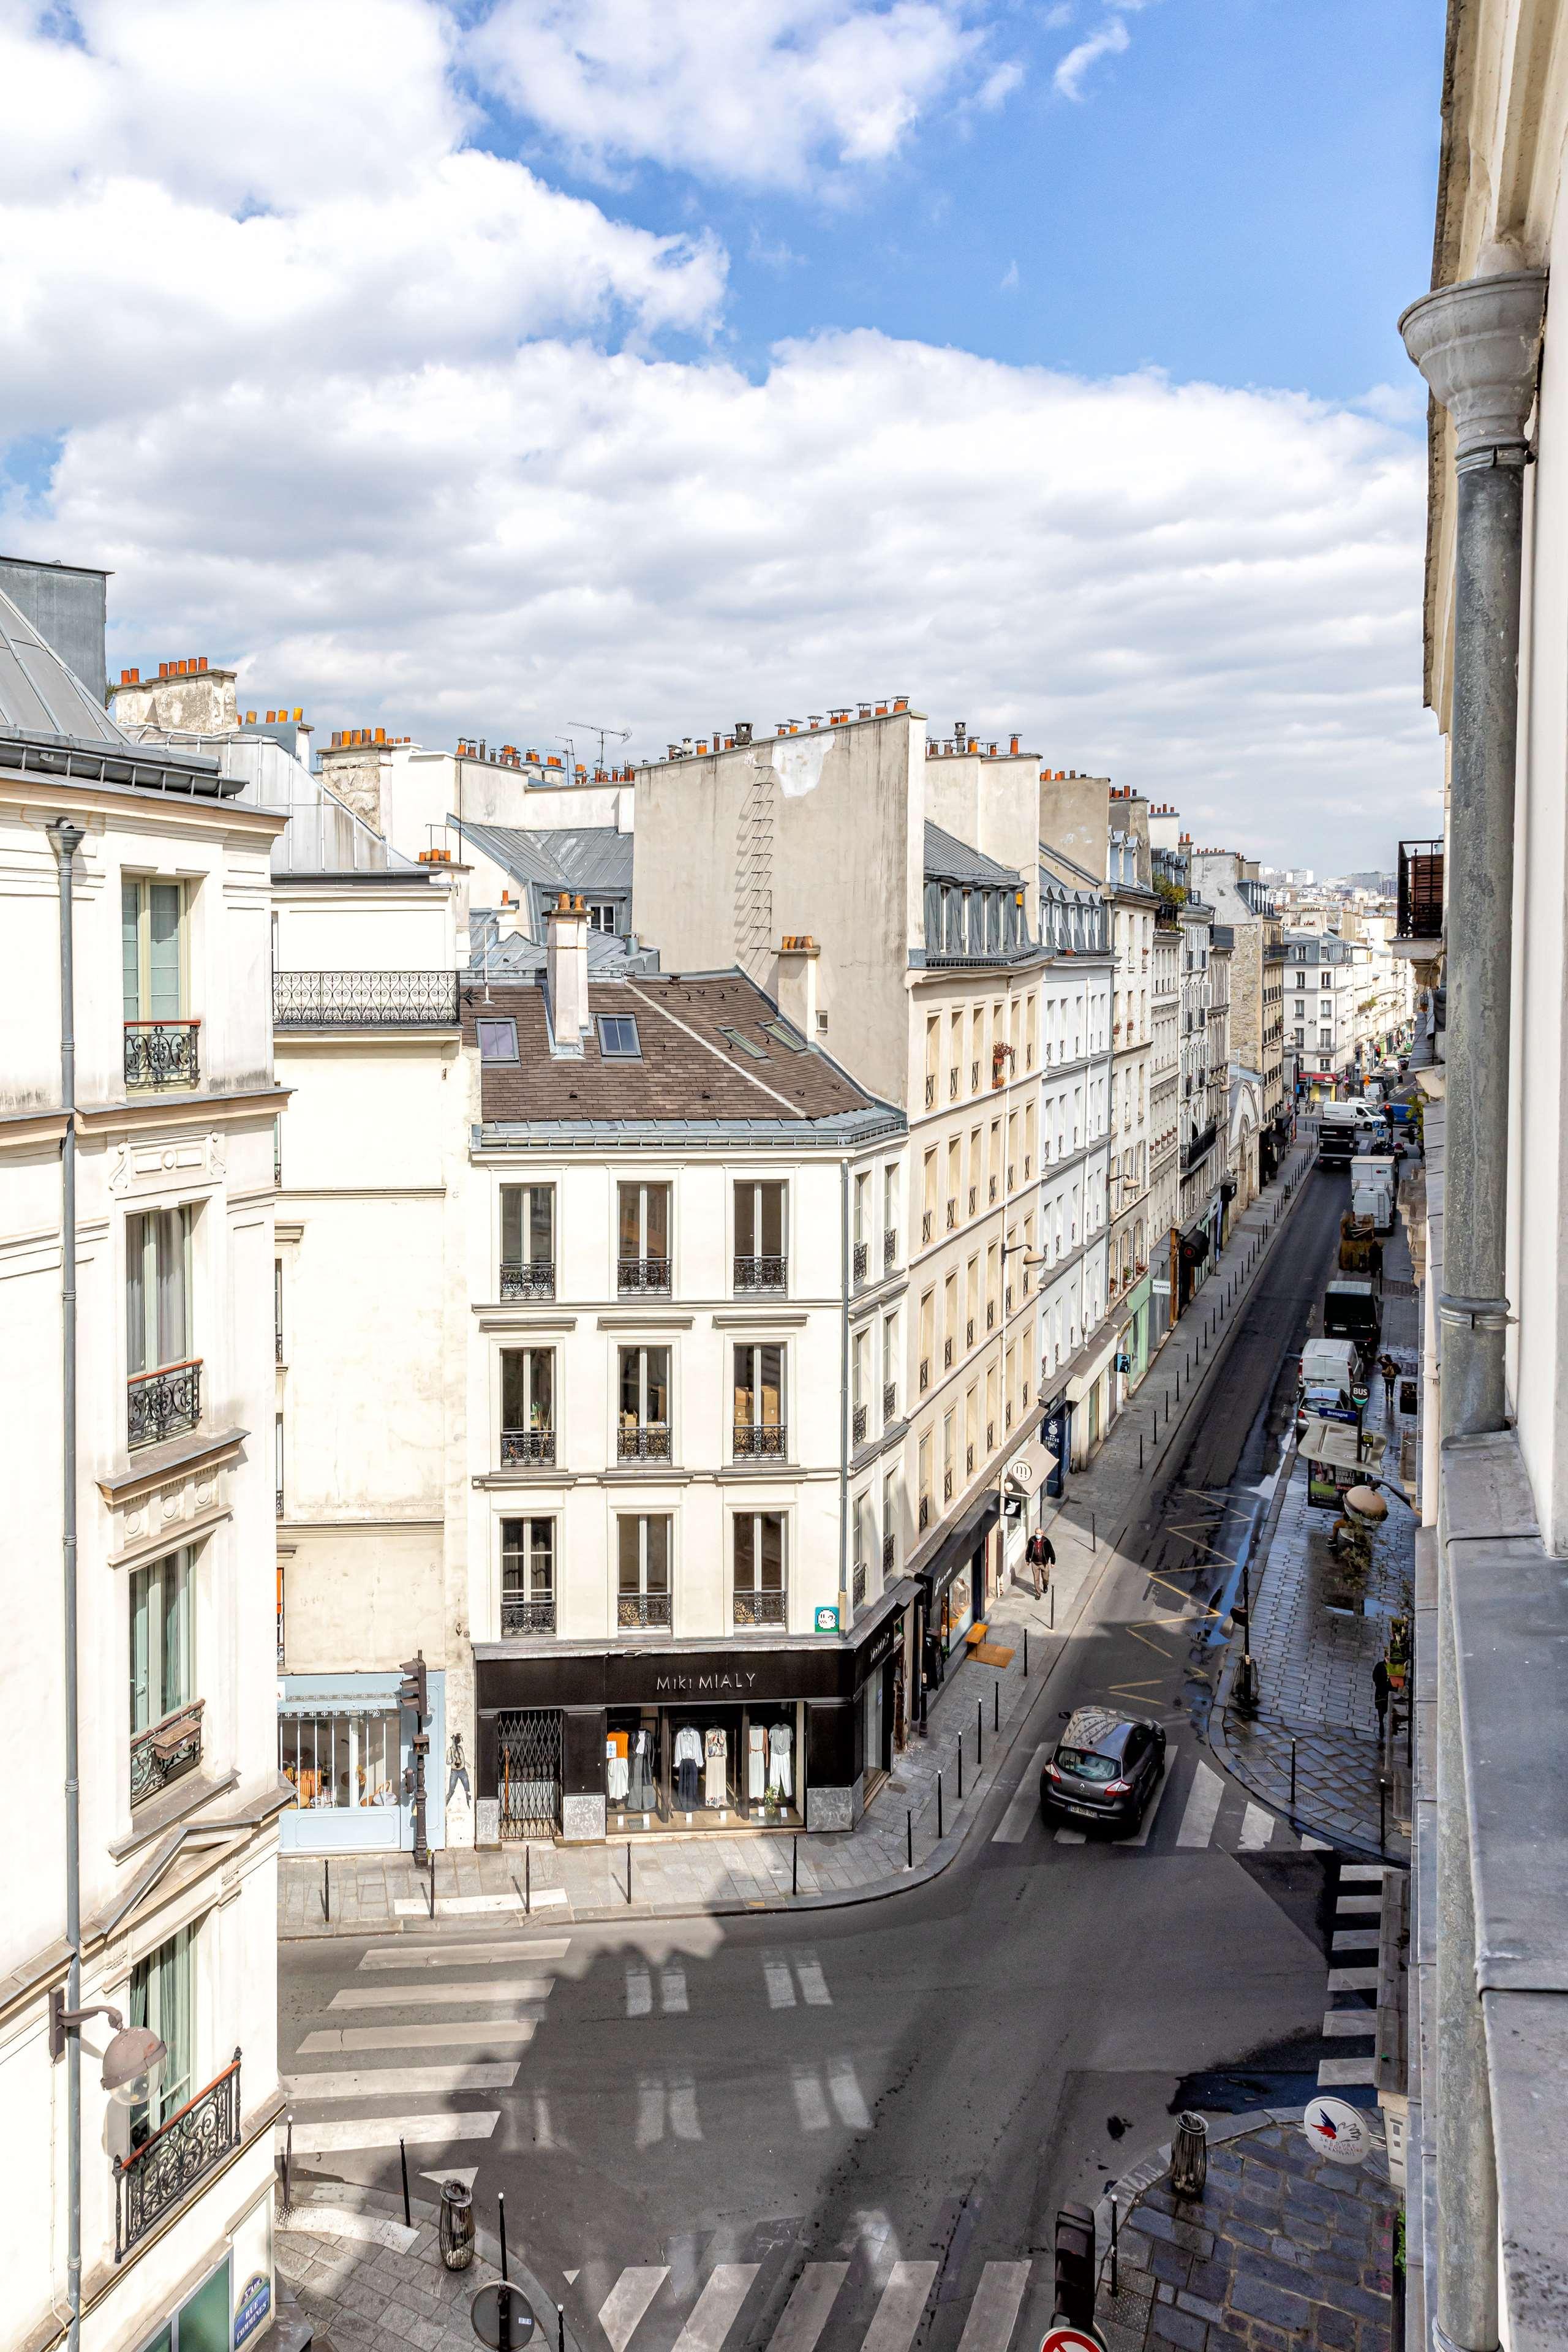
(704, 1767)
(345, 1761)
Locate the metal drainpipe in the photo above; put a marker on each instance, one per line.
(1477, 346)
(844, 1398)
(65, 839)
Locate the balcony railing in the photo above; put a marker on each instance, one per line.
(642, 1612)
(161, 1054)
(157, 2176)
(889, 1250)
(889, 1399)
(522, 1446)
(648, 1442)
(364, 1000)
(862, 1260)
(857, 1584)
(889, 1550)
(925, 1224)
(1199, 1147)
(923, 1514)
(165, 1751)
(527, 1616)
(760, 1608)
(761, 1273)
(858, 1425)
(165, 1403)
(1420, 890)
(641, 1274)
(528, 1277)
(753, 1438)
(925, 1374)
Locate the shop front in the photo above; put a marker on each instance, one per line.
(1090, 1396)
(953, 1583)
(1194, 1257)
(1133, 1339)
(346, 1749)
(588, 1744)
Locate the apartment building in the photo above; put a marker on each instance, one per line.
(1321, 1022)
(903, 858)
(1168, 875)
(1261, 1108)
(138, 1103)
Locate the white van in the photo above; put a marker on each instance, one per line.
(1356, 1114)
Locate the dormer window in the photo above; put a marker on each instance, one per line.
(498, 1041)
(618, 1037)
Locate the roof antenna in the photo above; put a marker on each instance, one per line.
(591, 727)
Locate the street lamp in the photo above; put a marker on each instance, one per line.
(132, 2060)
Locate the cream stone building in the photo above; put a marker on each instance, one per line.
(138, 1105)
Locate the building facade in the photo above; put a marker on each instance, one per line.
(136, 1198)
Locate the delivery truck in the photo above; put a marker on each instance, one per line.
(1351, 1311)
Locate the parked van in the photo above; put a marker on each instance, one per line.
(1351, 1311)
(1348, 1114)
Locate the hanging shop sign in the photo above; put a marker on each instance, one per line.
(828, 1621)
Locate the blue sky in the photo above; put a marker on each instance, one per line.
(672, 360)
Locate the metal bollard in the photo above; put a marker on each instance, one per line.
(500, 2209)
(629, 1870)
(1292, 1776)
(560, 2329)
(1114, 2220)
(1026, 1654)
(288, 2154)
(910, 1837)
(327, 1890)
(996, 1706)
(795, 1866)
(528, 1882)
(939, 1828)
(432, 1896)
(402, 2160)
(979, 1735)
(961, 1768)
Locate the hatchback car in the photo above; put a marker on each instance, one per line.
(1105, 1769)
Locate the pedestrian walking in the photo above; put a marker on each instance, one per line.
(1040, 1554)
(1390, 1371)
(1380, 1689)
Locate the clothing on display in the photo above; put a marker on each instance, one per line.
(780, 1739)
(756, 1762)
(716, 1747)
(643, 1795)
(618, 1772)
(687, 1762)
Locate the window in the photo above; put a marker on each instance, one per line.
(341, 1760)
(498, 1041)
(759, 1569)
(278, 1308)
(860, 1387)
(642, 1595)
(890, 1367)
(783, 1034)
(761, 1241)
(528, 1405)
(618, 1037)
(162, 1671)
(642, 1237)
(528, 1241)
(163, 1999)
(527, 1576)
(741, 1043)
(644, 1431)
(157, 1278)
(601, 915)
(759, 1421)
(153, 940)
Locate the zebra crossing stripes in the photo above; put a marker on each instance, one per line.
(899, 2312)
(428, 1995)
(465, 1954)
(717, 2307)
(629, 2320)
(1019, 1820)
(385, 2131)
(624, 2307)
(993, 2314)
(805, 2314)
(1358, 1899)
(1203, 1807)
(1215, 1814)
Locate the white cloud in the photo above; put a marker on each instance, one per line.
(1108, 42)
(768, 93)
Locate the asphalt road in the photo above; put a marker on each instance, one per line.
(872, 2110)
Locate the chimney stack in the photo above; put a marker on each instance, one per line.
(566, 957)
(798, 953)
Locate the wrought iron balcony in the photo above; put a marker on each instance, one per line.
(889, 1399)
(644, 1612)
(364, 1000)
(761, 1273)
(889, 1548)
(1420, 890)
(647, 1441)
(165, 1751)
(860, 1261)
(528, 1277)
(1200, 1147)
(161, 1054)
(925, 1224)
(760, 1608)
(969, 1332)
(762, 1437)
(858, 1425)
(857, 1584)
(165, 1403)
(924, 1513)
(947, 1486)
(925, 1374)
(159, 2174)
(931, 1089)
(524, 1445)
(947, 1355)
(889, 1250)
(527, 1616)
(642, 1274)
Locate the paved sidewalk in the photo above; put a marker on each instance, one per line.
(1284, 2248)
(1316, 1637)
(973, 1723)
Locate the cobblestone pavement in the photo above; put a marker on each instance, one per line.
(980, 1708)
(1316, 1639)
(1282, 2249)
(365, 2283)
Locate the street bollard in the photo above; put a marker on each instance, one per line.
(795, 1866)
(528, 1882)
(432, 1894)
(1026, 1654)
(629, 1870)
(288, 2154)
(501, 2210)
(1113, 2219)
(996, 1706)
(1051, 1625)
(560, 2329)
(402, 2161)
(1382, 1814)
(1093, 1538)
(1292, 1776)
(326, 1890)
(961, 1768)
(1140, 1449)
(910, 1837)
(979, 1735)
(938, 1829)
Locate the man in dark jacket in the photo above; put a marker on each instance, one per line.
(1041, 1557)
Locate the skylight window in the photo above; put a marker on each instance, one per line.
(618, 1037)
(741, 1043)
(786, 1035)
(498, 1041)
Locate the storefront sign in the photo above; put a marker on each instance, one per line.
(1054, 1438)
(715, 1681)
(1338, 2130)
(828, 1621)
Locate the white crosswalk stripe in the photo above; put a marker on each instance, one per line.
(898, 2312)
(993, 2314)
(1202, 1808)
(424, 1996)
(624, 2307)
(444, 2036)
(1257, 1829)
(465, 1955)
(1015, 1822)
(1152, 1811)
(805, 2314)
(402, 2082)
(385, 2131)
(717, 2307)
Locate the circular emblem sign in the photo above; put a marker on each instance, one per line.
(1338, 2130)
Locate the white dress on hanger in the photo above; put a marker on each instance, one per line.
(717, 1750)
(617, 1773)
(780, 1739)
(756, 1761)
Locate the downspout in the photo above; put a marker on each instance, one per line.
(844, 1398)
(1477, 345)
(65, 839)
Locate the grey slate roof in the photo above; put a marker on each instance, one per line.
(577, 857)
(947, 859)
(610, 954)
(39, 695)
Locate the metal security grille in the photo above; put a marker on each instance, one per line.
(528, 1768)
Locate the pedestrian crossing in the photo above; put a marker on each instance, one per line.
(1352, 2016)
(1193, 1809)
(876, 2307)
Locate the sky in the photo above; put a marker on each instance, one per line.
(497, 367)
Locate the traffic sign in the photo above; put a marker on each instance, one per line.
(1337, 2130)
(1063, 2338)
(501, 2317)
